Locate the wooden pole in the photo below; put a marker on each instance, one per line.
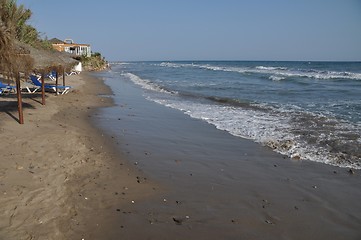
(20, 100)
(42, 88)
(56, 82)
(63, 76)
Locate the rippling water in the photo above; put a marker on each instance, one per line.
(306, 110)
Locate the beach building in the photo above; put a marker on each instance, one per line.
(69, 46)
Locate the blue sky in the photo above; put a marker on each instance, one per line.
(131, 30)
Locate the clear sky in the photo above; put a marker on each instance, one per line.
(129, 30)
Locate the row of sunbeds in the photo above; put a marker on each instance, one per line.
(33, 86)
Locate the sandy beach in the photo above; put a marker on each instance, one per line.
(154, 173)
(58, 174)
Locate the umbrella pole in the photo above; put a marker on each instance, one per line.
(20, 101)
(42, 88)
(56, 82)
(63, 77)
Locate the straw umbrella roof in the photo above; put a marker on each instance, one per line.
(47, 60)
(68, 61)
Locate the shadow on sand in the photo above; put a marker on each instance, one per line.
(9, 104)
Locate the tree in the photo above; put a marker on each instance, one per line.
(12, 23)
(7, 36)
(15, 18)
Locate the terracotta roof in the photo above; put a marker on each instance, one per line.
(56, 41)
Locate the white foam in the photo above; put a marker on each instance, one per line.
(276, 78)
(272, 127)
(274, 71)
(266, 127)
(146, 84)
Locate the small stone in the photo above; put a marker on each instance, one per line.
(351, 171)
(178, 221)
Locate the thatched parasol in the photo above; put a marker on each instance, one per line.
(68, 63)
(46, 61)
(24, 58)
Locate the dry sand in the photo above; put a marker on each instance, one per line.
(58, 175)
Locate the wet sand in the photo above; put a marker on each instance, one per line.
(222, 187)
(154, 173)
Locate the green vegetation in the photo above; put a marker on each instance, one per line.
(94, 63)
(14, 28)
(14, 21)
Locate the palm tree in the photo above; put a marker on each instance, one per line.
(13, 58)
(7, 37)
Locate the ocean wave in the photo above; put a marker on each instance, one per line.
(286, 132)
(119, 63)
(270, 68)
(274, 72)
(276, 78)
(147, 84)
(327, 132)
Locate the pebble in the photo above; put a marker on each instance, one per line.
(351, 171)
(269, 222)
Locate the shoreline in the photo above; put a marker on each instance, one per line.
(60, 177)
(72, 178)
(220, 186)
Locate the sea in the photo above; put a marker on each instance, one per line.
(305, 110)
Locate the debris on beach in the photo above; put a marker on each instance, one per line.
(180, 220)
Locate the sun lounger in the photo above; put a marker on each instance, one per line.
(72, 73)
(61, 89)
(7, 88)
(30, 88)
(52, 75)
